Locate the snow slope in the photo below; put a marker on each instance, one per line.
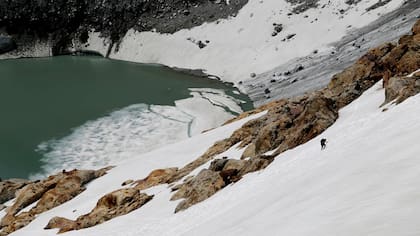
(244, 44)
(364, 183)
(319, 68)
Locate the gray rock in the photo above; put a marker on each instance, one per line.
(217, 164)
(7, 44)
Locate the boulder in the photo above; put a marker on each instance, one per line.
(61, 223)
(233, 164)
(114, 204)
(156, 177)
(198, 189)
(218, 164)
(401, 88)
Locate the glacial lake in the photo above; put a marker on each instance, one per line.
(77, 112)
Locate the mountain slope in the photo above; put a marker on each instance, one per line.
(363, 183)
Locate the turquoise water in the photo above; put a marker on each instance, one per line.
(46, 98)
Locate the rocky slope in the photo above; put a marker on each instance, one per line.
(292, 122)
(45, 194)
(287, 124)
(59, 23)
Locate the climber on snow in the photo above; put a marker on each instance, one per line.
(323, 143)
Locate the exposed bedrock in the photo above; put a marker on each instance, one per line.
(116, 203)
(8, 188)
(61, 21)
(50, 192)
(156, 177)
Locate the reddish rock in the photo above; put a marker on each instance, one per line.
(156, 177)
(51, 192)
(8, 188)
(61, 223)
(66, 189)
(114, 204)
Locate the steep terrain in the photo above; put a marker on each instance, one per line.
(353, 187)
(313, 71)
(262, 36)
(57, 23)
(262, 172)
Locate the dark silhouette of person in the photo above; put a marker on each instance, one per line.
(323, 143)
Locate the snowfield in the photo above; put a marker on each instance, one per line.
(364, 183)
(244, 44)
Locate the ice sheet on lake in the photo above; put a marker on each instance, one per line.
(136, 129)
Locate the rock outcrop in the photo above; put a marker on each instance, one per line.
(8, 188)
(117, 203)
(51, 192)
(201, 187)
(399, 89)
(156, 177)
(209, 181)
(402, 60)
(292, 122)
